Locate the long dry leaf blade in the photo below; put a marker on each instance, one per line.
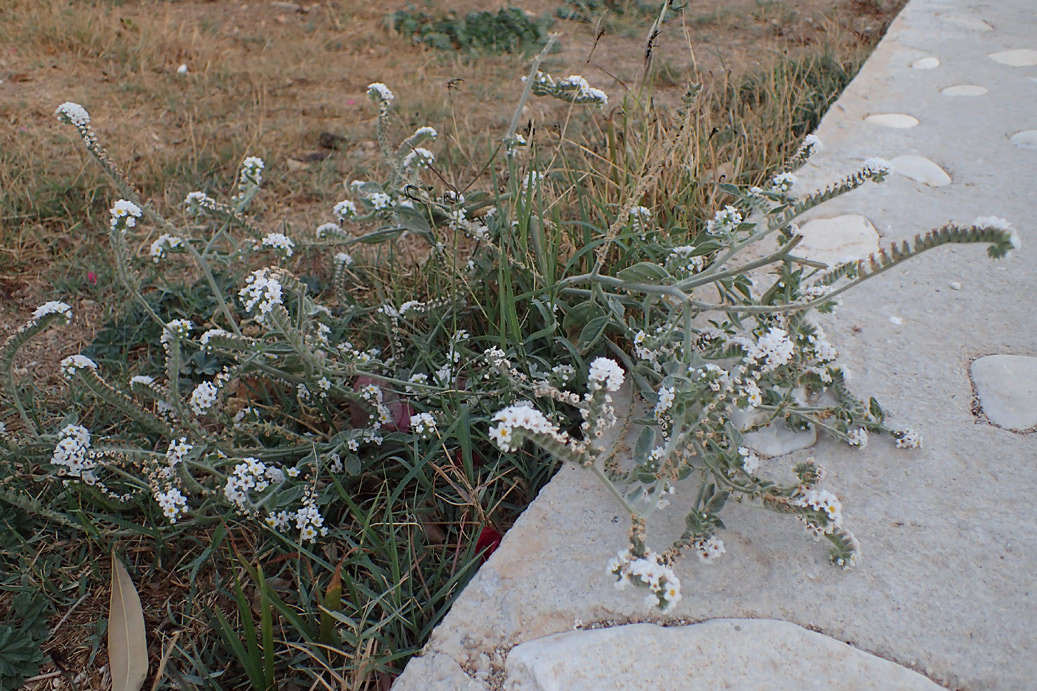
(127, 643)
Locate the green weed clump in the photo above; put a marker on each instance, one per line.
(510, 30)
(318, 432)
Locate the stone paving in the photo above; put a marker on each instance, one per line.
(945, 594)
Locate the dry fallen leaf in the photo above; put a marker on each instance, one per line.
(127, 639)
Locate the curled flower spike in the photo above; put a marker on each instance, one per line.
(419, 158)
(164, 243)
(380, 93)
(73, 113)
(53, 307)
(74, 363)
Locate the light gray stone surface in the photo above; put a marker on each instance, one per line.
(838, 239)
(946, 584)
(1007, 390)
(763, 655)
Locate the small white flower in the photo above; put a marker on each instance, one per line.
(423, 424)
(172, 502)
(858, 437)
(182, 69)
(175, 329)
(343, 259)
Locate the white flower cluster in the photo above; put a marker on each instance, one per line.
(782, 184)
(724, 222)
(857, 437)
(753, 395)
(164, 243)
(203, 397)
(824, 502)
(251, 475)
(908, 439)
(709, 548)
(664, 403)
(124, 215)
(380, 201)
(811, 145)
(423, 424)
(176, 329)
(521, 416)
(750, 461)
(71, 454)
(343, 259)
(605, 373)
(380, 93)
(823, 350)
(308, 520)
(172, 502)
(262, 292)
(772, 350)
(647, 572)
(419, 158)
(876, 166)
(74, 113)
(999, 223)
(52, 307)
(682, 262)
(177, 452)
(206, 339)
(251, 172)
(344, 210)
(572, 89)
(74, 363)
(373, 395)
(199, 202)
(279, 242)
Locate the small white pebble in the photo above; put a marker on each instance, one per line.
(182, 69)
(955, 285)
(896, 320)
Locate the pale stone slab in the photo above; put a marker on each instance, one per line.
(1007, 388)
(719, 654)
(897, 121)
(926, 63)
(436, 671)
(838, 239)
(1027, 139)
(964, 90)
(1020, 57)
(920, 169)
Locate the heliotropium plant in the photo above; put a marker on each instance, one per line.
(307, 387)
